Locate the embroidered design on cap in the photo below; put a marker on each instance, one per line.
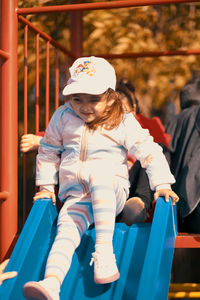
(85, 68)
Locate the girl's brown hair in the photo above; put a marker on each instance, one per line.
(112, 116)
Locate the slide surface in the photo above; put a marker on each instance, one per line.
(144, 254)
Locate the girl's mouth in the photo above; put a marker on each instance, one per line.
(87, 114)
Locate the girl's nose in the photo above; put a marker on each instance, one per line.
(85, 108)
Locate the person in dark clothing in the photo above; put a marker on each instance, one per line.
(184, 129)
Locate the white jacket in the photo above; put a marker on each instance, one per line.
(71, 151)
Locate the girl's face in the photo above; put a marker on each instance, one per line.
(88, 106)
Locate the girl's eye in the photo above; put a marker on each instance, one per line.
(95, 100)
(76, 99)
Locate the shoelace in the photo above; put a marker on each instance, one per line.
(94, 257)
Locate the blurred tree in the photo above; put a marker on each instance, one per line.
(153, 28)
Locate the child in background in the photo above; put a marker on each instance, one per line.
(131, 104)
(86, 143)
(136, 209)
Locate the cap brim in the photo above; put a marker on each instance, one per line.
(84, 88)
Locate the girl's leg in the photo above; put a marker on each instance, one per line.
(73, 221)
(108, 199)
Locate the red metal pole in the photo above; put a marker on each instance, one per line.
(47, 86)
(4, 54)
(8, 126)
(146, 54)
(37, 91)
(25, 121)
(98, 5)
(25, 79)
(57, 80)
(76, 30)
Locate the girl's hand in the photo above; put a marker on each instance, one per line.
(7, 275)
(29, 142)
(45, 194)
(166, 194)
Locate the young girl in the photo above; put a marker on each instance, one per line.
(86, 143)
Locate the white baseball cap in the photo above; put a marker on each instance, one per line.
(90, 75)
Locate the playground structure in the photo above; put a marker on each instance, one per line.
(10, 16)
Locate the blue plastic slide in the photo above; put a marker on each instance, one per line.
(144, 255)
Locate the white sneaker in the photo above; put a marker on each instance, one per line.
(40, 290)
(105, 268)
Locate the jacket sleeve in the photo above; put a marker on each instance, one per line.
(140, 143)
(49, 153)
(174, 128)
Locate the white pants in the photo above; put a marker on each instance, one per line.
(105, 201)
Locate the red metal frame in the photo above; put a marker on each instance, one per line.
(3, 54)
(47, 85)
(8, 126)
(99, 5)
(76, 28)
(40, 35)
(9, 107)
(185, 240)
(57, 81)
(25, 113)
(37, 83)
